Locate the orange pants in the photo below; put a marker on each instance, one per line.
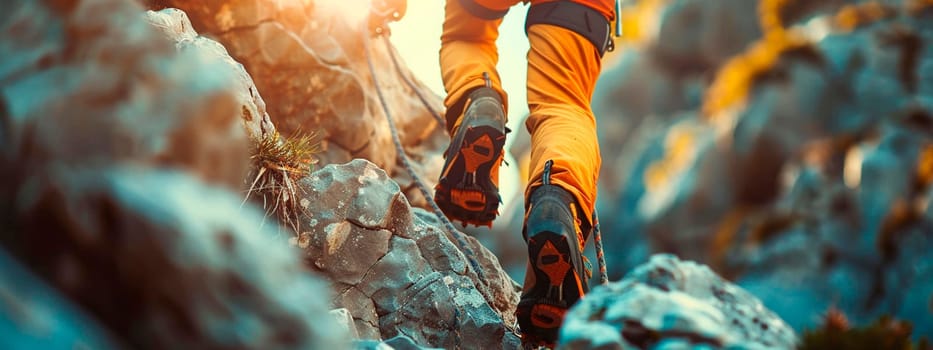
(562, 71)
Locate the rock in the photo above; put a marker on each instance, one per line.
(99, 235)
(33, 315)
(694, 35)
(676, 191)
(307, 58)
(669, 303)
(119, 153)
(811, 178)
(400, 342)
(908, 282)
(345, 320)
(394, 268)
(74, 71)
(849, 244)
(175, 25)
(652, 86)
(836, 237)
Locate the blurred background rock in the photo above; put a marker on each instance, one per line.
(786, 144)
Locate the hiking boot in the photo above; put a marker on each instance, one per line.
(468, 188)
(557, 275)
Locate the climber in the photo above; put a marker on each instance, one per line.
(567, 40)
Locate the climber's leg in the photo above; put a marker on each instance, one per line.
(468, 188)
(468, 50)
(563, 64)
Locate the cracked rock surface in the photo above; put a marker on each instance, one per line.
(672, 304)
(395, 270)
(307, 58)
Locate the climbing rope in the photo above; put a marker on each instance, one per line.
(398, 69)
(451, 230)
(600, 254)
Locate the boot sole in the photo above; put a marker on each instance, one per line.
(557, 286)
(465, 191)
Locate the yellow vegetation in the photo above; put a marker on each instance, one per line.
(770, 15)
(852, 17)
(725, 234)
(679, 152)
(925, 167)
(736, 78)
(636, 18)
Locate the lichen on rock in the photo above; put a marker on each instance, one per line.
(669, 303)
(398, 273)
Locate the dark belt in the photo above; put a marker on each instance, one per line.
(582, 19)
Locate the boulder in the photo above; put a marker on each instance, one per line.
(33, 315)
(137, 250)
(804, 176)
(695, 35)
(395, 268)
(852, 242)
(119, 154)
(672, 304)
(82, 69)
(309, 60)
(175, 25)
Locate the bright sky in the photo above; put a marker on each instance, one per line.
(418, 39)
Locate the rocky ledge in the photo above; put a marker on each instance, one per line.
(672, 304)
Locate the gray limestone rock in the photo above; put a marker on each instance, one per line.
(175, 25)
(396, 271)
(307, 58)
(119, 153)
(672, 304)
(72, 71)
(136, 249)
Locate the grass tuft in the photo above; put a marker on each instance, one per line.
(277, 165)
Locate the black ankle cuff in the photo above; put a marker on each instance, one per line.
(456, 110)
(567, 197)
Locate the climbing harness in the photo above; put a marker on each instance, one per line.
(575, 17)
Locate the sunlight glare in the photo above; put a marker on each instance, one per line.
(353, 11)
